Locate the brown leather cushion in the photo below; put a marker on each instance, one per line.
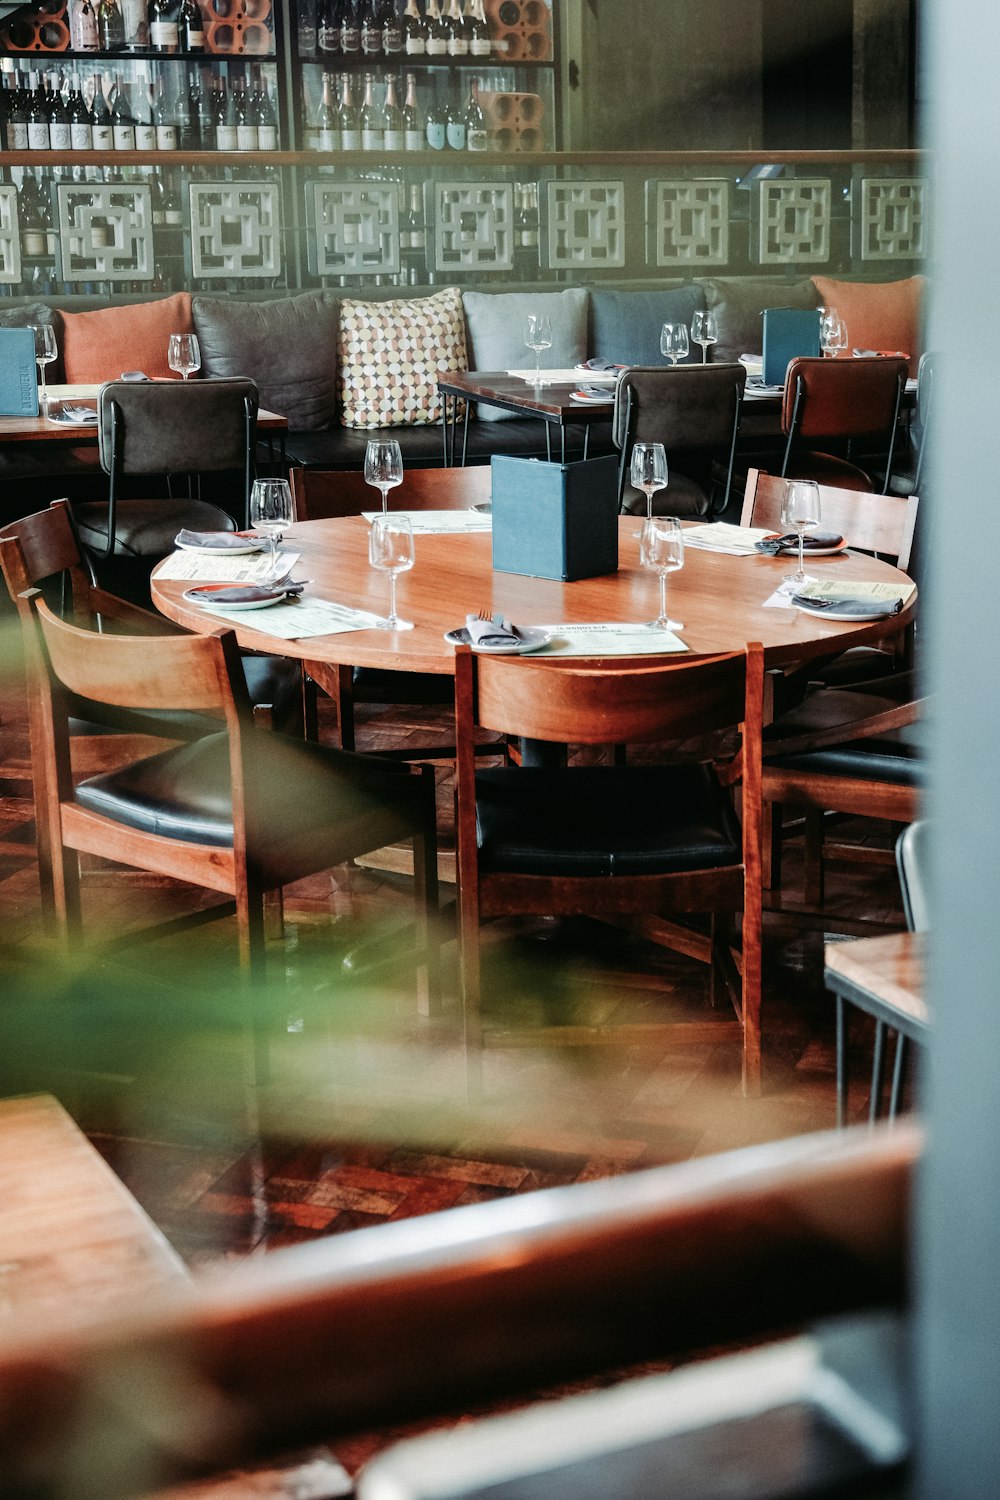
(287, 346)
(738, 303)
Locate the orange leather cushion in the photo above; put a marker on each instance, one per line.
(883, 315)
(99, 346)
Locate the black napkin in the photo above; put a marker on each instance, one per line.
(861, 609)
(596, 363)
(218, 541)
(245, 593)
(771, 545)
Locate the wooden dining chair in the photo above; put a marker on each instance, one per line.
(849, 402)
(240, 812)
(321, 494)
(635, 839)
(880, 524)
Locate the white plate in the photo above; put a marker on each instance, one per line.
(877, 612)
(529, 640)
(204, 592)
(791, 549)
(252, 545)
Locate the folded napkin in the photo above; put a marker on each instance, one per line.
(218, 541)
(75, 416)
(495, 632)
(592, 393)
(600, 364)
(246, 593)
(861, 609)
(790, 542)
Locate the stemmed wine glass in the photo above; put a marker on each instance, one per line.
(45, 353)
(704, 330)
(832, 333)
(648, 472)
(184, 354)
(674, 342)
(271, 511)
(800, 509)
(383, 467)
(538, 336)
(662, 550)
(390, 547)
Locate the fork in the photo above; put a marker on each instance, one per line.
(487, 615)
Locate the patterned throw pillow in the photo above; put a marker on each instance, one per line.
(390, 356)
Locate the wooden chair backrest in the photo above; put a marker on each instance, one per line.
(842, 397)
(320, 494)
(41, 546)
(872, 523)
(684, 406)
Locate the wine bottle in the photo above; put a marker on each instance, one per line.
(437, 31)
(391, 119)
(347, 115)
(190, 27)
(414, 138)
(110, 26)
(436, 126)
(189, 138)
(156, 200)
(478, 30)
(38, 115)
(371, 129)
(526, 232)
(166, 124)
(457, 35)
(136, 24)
(327, 122)
(17, 118)
(145, 124)
(371, 29)
(350, 29)
(455, 128)
(80, 136)
(173, 215)
(122, 119)
(225, 121)
(83, 34)
(246, 125)
(267, 121)
(414, 30)
(328, 27)
(163, 33)
(475, 121)
(33, 240)
(59, 132)
(413, 236)
(101, 128)
(392, 29)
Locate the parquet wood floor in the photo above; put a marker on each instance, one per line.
(365, 1119)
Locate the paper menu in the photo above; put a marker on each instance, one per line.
(608, 638)
(720, 536)
(295, 622)
(878, 593)
(204, 567)
(567, 377)
(438, 522)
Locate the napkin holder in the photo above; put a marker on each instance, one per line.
(555, 520)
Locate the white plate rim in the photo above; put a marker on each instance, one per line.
(219, 551)
(877, 612)
(793, 551)
(526, 644)
(187, 596)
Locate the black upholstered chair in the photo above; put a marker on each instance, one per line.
(694, 411)
(182, 430)
(850, 403)
(646, 840)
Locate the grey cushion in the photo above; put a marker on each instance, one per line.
(625, 326)
(288, 346)
(738, 304)
(495, 324)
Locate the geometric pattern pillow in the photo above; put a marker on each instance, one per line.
(391, 354)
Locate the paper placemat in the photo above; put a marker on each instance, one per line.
(295, 622)
(609, 638)
(721, 536)
(879, 593)
(204, 567)
(438, 522)
(564, 377)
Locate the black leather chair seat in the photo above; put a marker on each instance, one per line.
(273, 681)
(605, 820)
(898, 757)
(146, 528)
(185, 793)
(379, 685)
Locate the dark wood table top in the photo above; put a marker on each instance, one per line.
(886, 971)
(551, 402)
(40, 430)
(719, 597)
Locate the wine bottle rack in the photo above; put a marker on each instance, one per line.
(47, 30)
(513, 121)
(243, 29)
(521, 30)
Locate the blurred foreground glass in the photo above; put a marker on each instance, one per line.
(390, 548)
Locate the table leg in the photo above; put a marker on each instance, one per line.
(548, 442)
(445, 426)
(841, 1065)
(586, 442)
(465, 433)
(562, 442)
(898, 1066)
(878, 1073)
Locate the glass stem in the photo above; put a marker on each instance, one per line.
(663, 598)
(43, 399)
(704, 354)
(802, 565)
(392, 598)
(273, 539)
(385, 502)
(649, 505)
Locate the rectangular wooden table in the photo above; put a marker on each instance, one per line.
(883, 976)
(550, 403)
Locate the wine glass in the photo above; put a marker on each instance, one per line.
(538, 336)
(390, 547)
(184, 354)
(662, 550)
(271, 511)
(674, 342)
(704, 330)
(648, 472)
(45, 353)
(832, 333)
(383, 467)
(800, 509)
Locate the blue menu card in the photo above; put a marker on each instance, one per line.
(18, 373)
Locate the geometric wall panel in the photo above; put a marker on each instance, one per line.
(473, 226)
(687, 222)
(235, 229)
(893, 218)
(794, 221)
(104, 232)
(585, 224)
(357, 228)
(10, 236)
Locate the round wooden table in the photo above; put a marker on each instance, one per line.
(720, 599)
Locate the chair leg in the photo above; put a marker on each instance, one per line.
(469, 979)
(841, 1029)
(878, 1073)
(751, 966)
(253, 963)
(274, 915)
(814, 874)
(310, 708)
(898, 1070)
(770, 850)
(65, 871)
(345, 707)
